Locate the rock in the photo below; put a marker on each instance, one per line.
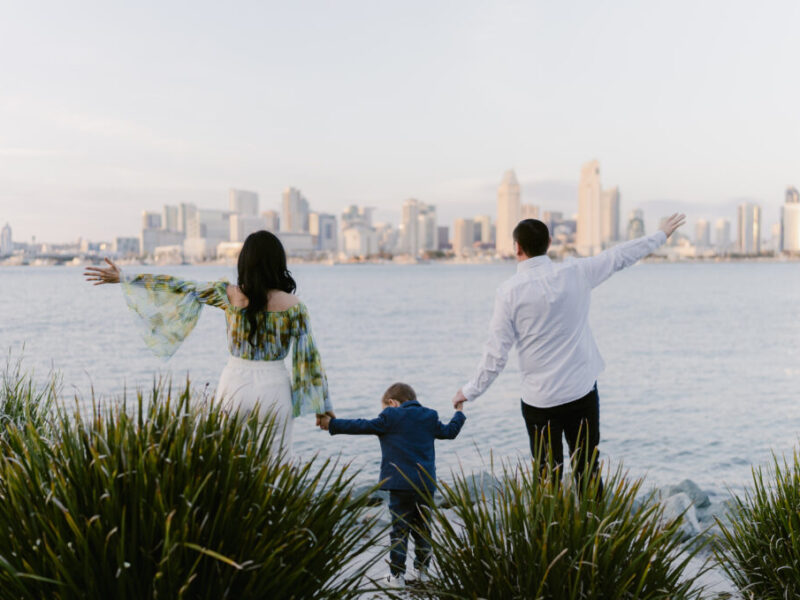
(691, 489)
(680, 506)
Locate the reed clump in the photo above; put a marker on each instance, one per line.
(759, 548)
(168, 500)
(535, 538)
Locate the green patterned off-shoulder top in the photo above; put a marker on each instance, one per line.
(168, 309)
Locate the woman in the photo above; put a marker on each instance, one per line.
(263, 318)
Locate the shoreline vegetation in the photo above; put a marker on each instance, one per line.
(166, 496)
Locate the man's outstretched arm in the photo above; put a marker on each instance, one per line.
(604, 265)
(495, 353)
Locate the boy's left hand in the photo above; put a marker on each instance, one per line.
(323, 421)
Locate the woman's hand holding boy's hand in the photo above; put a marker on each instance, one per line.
(324, 421)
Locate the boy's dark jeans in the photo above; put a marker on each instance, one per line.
(578, 421)
(408, 510)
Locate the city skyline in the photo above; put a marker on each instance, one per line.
(98, 125)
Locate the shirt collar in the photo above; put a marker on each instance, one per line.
(533, 263)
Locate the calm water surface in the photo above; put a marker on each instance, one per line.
(703, 360)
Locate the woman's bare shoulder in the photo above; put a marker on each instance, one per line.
(236, 296)
(280, 301)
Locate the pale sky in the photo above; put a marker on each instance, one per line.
(108, 109)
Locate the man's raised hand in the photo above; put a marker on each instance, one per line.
(671, 223)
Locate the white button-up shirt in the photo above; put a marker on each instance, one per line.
(544, 310)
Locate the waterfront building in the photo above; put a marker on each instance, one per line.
(243, 225)
(528, 211)
(426, 227)
(169, 218)
(635, 225)
(168, 255)
(609, 217)
(387, 237)
(463, 236)
(186, 213)
(508, 213)
(355, 215)
(229, 251)
(296, 244)
(722, 235)
(212, 224)
(322, 228)
(151, 238)
(295, 211)
(272, 221)
(125, 247)
(702, 234)
(243, 202)
(790, 223)
(151, 220)
(6, 241)
(483, 229)
(749, 230)
(589, 235)
(443, 238)
(360, 240)
(552, 219)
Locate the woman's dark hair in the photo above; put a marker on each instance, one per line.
(532, 236)
(262, 267)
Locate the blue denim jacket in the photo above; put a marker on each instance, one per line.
(407, 434)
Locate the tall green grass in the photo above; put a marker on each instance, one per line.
(168, 501)
(22, 402)
(760, 544)
(536, 538)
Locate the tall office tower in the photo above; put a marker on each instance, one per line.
(463, 233)
(508, 212)
(322, 228)
(483, 223)
(528, 211)
(552, 219)
(749, 232)
(635, 225)
(214, 225)
(6, 241)
(272, 221)
(702, 234)
(169, 218)
(589, 235)
(295, 211)
(243, 202)
(151, 220)
(443, 235)
(411, 243)
(357, 215)
(243, 225)
(790, 222)
(609, 216)
(426, 218)
(186, 214)
(722, 235)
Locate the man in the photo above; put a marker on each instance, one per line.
(544, 310)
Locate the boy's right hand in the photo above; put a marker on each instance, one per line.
(459, 406)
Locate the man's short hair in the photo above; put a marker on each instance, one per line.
(532, 236)
(402, 392)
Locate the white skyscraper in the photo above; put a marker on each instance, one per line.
(411, 238)
(243, 225)
(272, 221)
(508, 213)
(151, 220)
(702, 234)
(322, 228)
(463, 236)
(484, 223)
(589, 234)
(426, 218)
(635, 225)
(722, 235)
(186, 213)
(609, 216)
(749, 231)
(528, 211)
(6, 241)
(169, 218)
(295, 212)
(243, 202)
(790, 222)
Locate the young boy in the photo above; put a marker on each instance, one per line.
(407, 431)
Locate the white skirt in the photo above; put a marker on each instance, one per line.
(263, 385)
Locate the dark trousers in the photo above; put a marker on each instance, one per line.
(408, 511)
(578, 421)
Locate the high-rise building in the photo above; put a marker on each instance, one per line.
(186, 213)
(322, 228)
(354, 215)
(722, 235)
(528, 211)
(214, 225)
(426, 218)
(589, 235)
(243, 225)
(272, 221)
(508, 213)
(635, 225)
(702, 234)
(749, 231)
(483, 229)
(360, 240)
(410, 224)
(243, 202)
(444, 237)
(463, 235)
(295, 211)
(126, 246)
(6, 241)
(790, 222)
(609, 216)
(169, 218)
(151, 220)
